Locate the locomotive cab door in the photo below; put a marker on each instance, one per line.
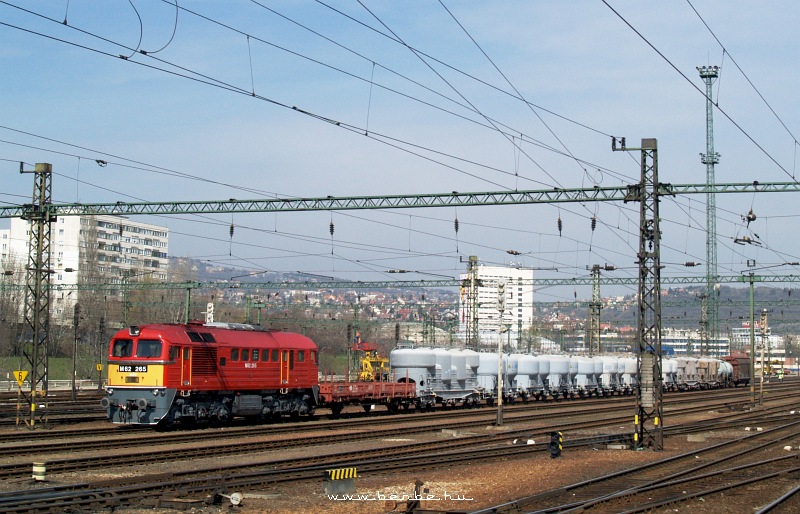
(286, 364)
(186, 366)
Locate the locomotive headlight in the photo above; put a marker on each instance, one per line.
(110, 390)
(155, 392)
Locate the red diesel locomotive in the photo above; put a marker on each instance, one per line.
(161, 374)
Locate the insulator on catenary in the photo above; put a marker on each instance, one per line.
(594, 223)
(455, 225)
(231, 229)
(560, 226)
(331, 229)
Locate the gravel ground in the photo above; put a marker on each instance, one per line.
(457, 487)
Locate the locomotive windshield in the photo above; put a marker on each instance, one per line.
(148, 348)
(123, 348)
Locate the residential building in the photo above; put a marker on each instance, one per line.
(517, 316)
(109, 249)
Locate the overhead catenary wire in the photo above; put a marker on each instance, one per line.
(761, 96)
(693, 85)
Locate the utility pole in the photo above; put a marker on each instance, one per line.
(76, 320)
(764, 349)
(704, 324)
(752, 278)
(101, 345)
(37, 291)
(594, 307)
(501, 307)
(710, 158)
(649, 418)
(471, 285)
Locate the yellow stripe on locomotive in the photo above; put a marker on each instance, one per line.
(135, 375)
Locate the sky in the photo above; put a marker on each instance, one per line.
(245, 99)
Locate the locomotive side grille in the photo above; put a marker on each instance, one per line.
(204, 361)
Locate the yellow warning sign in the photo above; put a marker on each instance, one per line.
(20, 376)
(98, 367)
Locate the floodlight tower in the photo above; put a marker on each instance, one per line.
(710, 158)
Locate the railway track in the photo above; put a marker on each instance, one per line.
(730, 468)
(60, 409)
(95, 414)
(22, 443)
(200, 482)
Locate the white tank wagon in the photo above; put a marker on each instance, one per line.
(487, 376)
(598, 372)
(529, 380)
(708, 374)
(446, 385)
(417, 365)
(609, 374)
(444, 363)
(725, 374)
(669, 373)
(511, 373)
(558, 384)
(544, 372)
(703, 373)
(629, 377)
(464, 377)
(582, 376)
(687, 373)
(442, 376)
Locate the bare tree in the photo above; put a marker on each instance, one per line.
(12, 299)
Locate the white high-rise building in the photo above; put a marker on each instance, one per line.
(113, 248)
(517, 316)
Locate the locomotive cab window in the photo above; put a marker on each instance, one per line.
(245, 355)
(274, 357)
(148, 348)
(123, 348)
(174, 353)
(235, 354)
(301, 356)
(313, 356)
(265, 356)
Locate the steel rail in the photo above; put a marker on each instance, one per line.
(204, 481)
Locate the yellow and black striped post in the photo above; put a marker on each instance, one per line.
(339, 481)
(556, 444)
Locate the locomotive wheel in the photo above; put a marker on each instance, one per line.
(166, 423)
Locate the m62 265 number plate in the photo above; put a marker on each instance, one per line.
(127, 368)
